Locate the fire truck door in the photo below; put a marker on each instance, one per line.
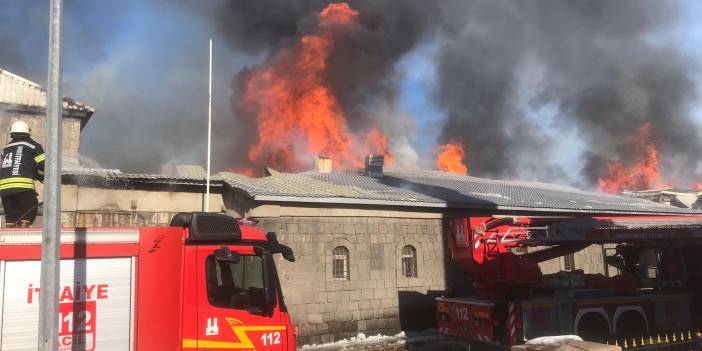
(232, 309)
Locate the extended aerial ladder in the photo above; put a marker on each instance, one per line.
(501, 256)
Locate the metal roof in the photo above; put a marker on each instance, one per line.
(18, 91)
(683, 198)
(436, 189)
(114, 178)
(429, 189)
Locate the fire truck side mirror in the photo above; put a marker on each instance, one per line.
(289, 256)
(270, 277)
(225, 255)
(286, 251)
(277, 247)
(270, 289)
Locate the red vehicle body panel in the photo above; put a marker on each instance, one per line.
(170, 305)
(160, 287)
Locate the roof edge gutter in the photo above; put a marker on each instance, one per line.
(344, 200)
(352, 201)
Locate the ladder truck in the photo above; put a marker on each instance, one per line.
(658, 280)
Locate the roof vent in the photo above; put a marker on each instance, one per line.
(374, 166)
(323, 164)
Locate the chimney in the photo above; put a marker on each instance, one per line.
(374, 166)
(323, 164)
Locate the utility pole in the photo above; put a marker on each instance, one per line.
(51, 234)
(209, 134)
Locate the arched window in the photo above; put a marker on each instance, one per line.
(409, 262)
(340, 263)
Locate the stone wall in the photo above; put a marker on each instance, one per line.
(107, 218)
(37, 123)
(100, 207)
(376, 298)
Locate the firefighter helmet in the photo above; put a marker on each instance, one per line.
(19, 127)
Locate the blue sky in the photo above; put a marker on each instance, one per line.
(134, 60)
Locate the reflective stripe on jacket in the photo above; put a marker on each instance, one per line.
(17, 182)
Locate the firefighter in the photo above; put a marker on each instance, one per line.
(22, 163)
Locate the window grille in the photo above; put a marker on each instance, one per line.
(409, 262)
(569, 262)
(340, 263)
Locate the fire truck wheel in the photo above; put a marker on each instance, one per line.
(593, 327)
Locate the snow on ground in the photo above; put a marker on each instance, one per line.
(361, 341)
(553, 340)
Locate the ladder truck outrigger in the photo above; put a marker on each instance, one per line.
(658, 279)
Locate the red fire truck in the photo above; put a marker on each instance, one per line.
(659, 278)
(204, 283)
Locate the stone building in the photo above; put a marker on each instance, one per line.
(109, 198)
(374, 219)
(371, 251)
(21, 99)
(370, 246)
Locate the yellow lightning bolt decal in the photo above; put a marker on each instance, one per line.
(239, 330)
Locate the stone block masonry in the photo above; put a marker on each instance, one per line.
(70, 144)
(370, 293)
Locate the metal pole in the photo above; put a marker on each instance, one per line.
(209, 133)
(51, 239)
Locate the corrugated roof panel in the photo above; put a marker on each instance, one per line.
(431, 187)
(415, 189)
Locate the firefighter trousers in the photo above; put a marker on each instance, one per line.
(23, 204)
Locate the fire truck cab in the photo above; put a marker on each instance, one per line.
(654, 292)
(204, 283)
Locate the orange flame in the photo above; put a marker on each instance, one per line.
(698, 187)
(450, 158)
(377, 144)
(297, 115)
(249, 172)
(641, 174)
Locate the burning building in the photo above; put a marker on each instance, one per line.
(371, 241)
(371, 244)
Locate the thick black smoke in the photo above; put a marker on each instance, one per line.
(141, 65)
(361, 68)
(605, 67)
(602, 64)
(10, 54)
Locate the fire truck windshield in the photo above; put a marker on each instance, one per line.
(237, 285)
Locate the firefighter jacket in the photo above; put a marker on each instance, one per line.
(22, 162)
